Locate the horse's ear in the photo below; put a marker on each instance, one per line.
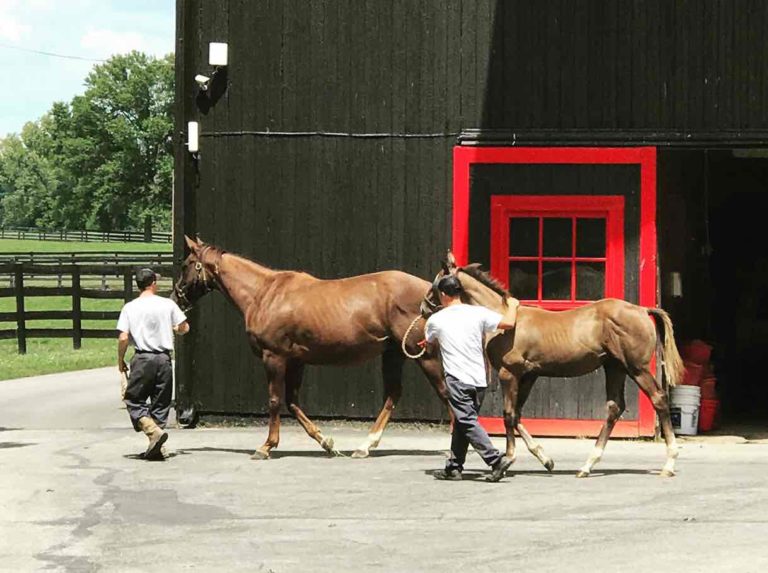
(450, 261)
(192, 245)
(200, 242)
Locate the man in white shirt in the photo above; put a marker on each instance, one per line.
(148, 322)
(460, 330)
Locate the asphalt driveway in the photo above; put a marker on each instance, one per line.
(74, 497)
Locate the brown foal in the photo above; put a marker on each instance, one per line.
(293, 319)
(614, 334)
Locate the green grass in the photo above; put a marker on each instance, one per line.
(46, 356)
(28, 246)
(50, 355)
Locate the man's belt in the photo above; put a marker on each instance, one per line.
(168, 352)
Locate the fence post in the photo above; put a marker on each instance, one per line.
(127, 285)
(77, 316)
(21, 325)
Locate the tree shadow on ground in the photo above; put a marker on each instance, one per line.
(9, 445)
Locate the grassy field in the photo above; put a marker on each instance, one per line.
(14, 245)
(45, 356)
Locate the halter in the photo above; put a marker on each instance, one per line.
(435, 306)
(209, 284)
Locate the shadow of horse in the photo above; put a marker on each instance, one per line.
(511, 473)
(314, 453)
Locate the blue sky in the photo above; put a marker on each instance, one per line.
(93, 29)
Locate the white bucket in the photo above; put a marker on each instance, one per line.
(685, 409)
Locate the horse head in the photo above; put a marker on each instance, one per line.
(198, 273)
(479, 287)
(431, 302)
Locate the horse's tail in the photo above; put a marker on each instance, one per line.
(670, 357)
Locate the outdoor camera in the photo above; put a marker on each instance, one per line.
(202, 81)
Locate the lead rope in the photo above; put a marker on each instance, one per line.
(405, 338)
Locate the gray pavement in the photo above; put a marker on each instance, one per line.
(73, 497)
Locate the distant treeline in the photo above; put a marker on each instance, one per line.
(102, 161)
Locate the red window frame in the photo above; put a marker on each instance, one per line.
(645, 158)
(608, 207)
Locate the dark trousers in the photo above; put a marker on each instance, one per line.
(151, 378)
(465, 401)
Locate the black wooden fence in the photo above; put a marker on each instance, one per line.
(147, 258)
(147, 236)
(83, 281)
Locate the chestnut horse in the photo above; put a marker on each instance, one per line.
(293, 319)
(614, 334)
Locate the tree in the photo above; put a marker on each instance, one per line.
(104, 160)
(27, 179)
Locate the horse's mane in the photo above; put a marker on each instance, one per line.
(486, 279)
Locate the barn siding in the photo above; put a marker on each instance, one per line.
(337, 206)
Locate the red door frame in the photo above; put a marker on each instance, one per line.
(645, 157)
(608, 207)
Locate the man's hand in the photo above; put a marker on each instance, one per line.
(509, 319)
(122, 347)
(181, 328)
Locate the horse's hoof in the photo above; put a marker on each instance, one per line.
(259, 455)
(549, 465)
(327, 445)
(337, 454)
(582, 474)
(360, 454)
(667, 473)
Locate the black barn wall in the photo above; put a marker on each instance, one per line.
(330, 148)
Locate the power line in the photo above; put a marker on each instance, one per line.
(52, 54)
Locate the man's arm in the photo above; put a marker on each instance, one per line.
(509, 318)
(122, 347)
(181, 328)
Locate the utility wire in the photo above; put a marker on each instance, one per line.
(52, 54)
(397, 135)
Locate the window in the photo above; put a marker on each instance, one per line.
(558, 252)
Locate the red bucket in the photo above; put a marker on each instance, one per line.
(709, 415)
(692, 375)
(696, 351)
(708, 388)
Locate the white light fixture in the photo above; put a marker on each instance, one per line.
(193, 137)
(202, 81)
(675, 284)
(217, 54)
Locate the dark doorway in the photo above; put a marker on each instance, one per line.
(738, 226)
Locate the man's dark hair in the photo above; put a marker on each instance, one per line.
(449, 285)
(145, 277)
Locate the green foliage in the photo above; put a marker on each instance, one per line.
(102, 161)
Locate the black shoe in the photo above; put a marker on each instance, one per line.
(447, 475)
(499, 469)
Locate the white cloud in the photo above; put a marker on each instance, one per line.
(105, 43)
(43, 5)
(11, 27)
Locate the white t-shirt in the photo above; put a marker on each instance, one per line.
(150, 320)
(459, 329)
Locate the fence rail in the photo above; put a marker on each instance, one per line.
(78, 257)
(86, 236)
(77, 275)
